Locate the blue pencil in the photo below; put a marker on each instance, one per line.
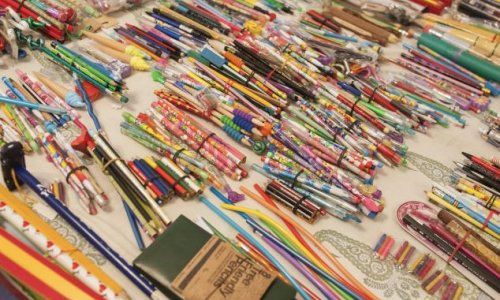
(133, 225)
(379, 243)
(30, 105)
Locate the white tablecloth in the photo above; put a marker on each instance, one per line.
(430, 158)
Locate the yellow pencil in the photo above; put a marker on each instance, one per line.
(458, 293)
(405, 251)
(461, 214)
(434, 281)
(415, 264)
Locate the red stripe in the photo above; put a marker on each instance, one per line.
(78, 284)
(27, 278)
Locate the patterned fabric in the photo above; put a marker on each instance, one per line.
(383, 276)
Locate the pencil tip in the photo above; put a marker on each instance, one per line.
(466, 155)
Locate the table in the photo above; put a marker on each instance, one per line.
(430, 158)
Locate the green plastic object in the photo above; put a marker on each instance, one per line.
(475, 64)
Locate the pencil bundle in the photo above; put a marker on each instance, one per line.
(194, 95)
(383, 12)
(360, 25)
(164, 178)
(73, 62)
(237, 13)
(223, 156)
(482, 175)
(471, 200)
(466, 207)
(65, 159)
(133, 192)
(114, 66)
(213, 18)
(291, 200)
(482, 9)
(42, 130)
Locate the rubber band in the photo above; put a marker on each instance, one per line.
(150, 180)
(106, 165)
(457, 55)
(354, 106)
(178, 181)
(73, 171)
(283, 65)
(177, 153)
(19, 6)
(351, 126)
(270, 74)
(323, 23)
(373, 93)
(286, 47)
(297, 204)
(475, 41)
(337, 132)
(249, 78)
(487, 220)
(341, 157)
(203, 142)
(463, 240)
(458, 246)
(294, 182)
(494, 49)
(490, 202)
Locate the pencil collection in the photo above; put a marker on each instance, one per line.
(471, 200)
(420, 265)
(305, 95)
